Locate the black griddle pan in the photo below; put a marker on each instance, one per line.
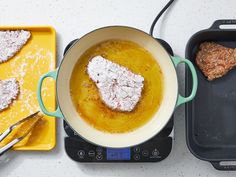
(211, 116)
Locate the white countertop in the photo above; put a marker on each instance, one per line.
(74, 18)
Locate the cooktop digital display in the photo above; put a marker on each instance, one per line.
(118, 154)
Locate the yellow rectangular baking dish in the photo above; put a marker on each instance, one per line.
(37, 57)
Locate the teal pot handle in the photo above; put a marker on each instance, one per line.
(181, 99)
(57, 113)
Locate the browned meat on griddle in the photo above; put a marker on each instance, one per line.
(215, 60)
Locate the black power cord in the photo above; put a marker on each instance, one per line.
(158, 16)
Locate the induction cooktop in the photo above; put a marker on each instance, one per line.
(153, 150)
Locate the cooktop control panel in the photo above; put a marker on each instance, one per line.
(153, 151)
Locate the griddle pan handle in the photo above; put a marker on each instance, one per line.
(218, 166)
(181, 99)
(218, 23)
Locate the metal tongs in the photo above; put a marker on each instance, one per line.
(18, 139)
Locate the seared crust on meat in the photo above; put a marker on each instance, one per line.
(215, 60)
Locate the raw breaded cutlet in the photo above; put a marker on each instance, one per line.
(11, 42)
(9, 89)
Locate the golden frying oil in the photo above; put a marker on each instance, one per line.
(86, 97)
